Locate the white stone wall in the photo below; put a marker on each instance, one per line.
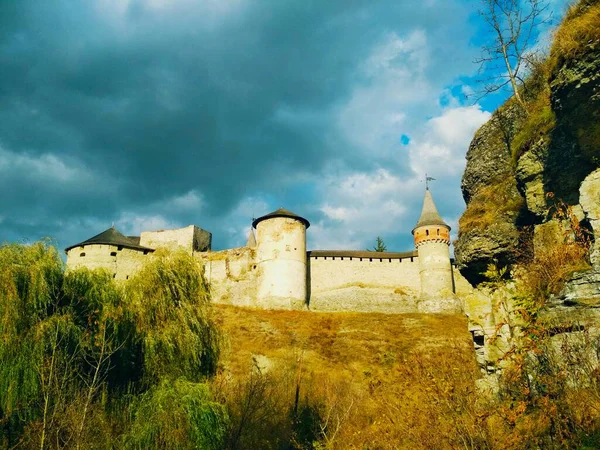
(190, 238)
(364, 284)
(281, 256)
(232, 274)
(97, 256)
(435, 269)
(119, 261)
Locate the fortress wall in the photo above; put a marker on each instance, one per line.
(190, 238)
(129, 261)
(364, 284)
(233, 275)
(462, 287)
(96, 256)
(121, 263)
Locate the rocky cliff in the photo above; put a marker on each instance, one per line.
(521, 164)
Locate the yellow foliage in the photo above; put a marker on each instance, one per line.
(555, 261)
(579, 28)
(490, 204)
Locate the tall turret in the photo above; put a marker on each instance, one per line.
(432, 239)
(281, 257)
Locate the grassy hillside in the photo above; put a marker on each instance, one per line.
(365, 380)
(150, 362)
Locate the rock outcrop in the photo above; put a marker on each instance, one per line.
(488, 231)
(532, 189)
(521, 165)
(589, 198)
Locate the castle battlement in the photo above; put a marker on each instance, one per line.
(275, 270)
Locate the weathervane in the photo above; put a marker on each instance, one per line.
(427, 180)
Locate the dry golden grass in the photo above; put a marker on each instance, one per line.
(490, 204)
(378, 381)
(342, 341)
(580, 27)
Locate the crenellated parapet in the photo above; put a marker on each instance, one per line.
(274, 270)
(432, 233)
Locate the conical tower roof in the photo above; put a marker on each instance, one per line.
(429, 213)
(281, 212)
(112, 236)
(251, 242)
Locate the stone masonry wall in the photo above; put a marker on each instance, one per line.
(121, 263)
(190, 238)
(364, 284)
(233, 275)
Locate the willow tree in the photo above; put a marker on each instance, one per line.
(83, 357)
(168, 303)
(36, 338)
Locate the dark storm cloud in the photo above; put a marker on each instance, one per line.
(105, 112)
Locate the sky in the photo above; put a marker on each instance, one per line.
(155, 114)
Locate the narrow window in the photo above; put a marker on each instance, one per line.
(113, 253)
(82, 254)
(120, 247)
(370, 259)
(438, 231)
(427, 232)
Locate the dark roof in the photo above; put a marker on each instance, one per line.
(281, 212)
(112, 236)
(362, 254)
(429, 213)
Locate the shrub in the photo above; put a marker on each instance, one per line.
(553, 263)
(491, 204)
(177, 415)
(578, 29)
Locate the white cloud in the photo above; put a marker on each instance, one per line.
(440, 149)
(205, 13)
(359, 206)
(191, 200)
(133, 224)
(46, 167)
(395, 72)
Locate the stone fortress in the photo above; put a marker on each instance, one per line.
(274, 270)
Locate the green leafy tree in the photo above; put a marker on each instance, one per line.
(81, 355)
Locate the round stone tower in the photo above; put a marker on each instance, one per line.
(281, 257)
(432, 239)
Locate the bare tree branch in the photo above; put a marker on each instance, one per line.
(513, 24)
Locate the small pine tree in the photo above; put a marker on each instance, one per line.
(379, 246)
